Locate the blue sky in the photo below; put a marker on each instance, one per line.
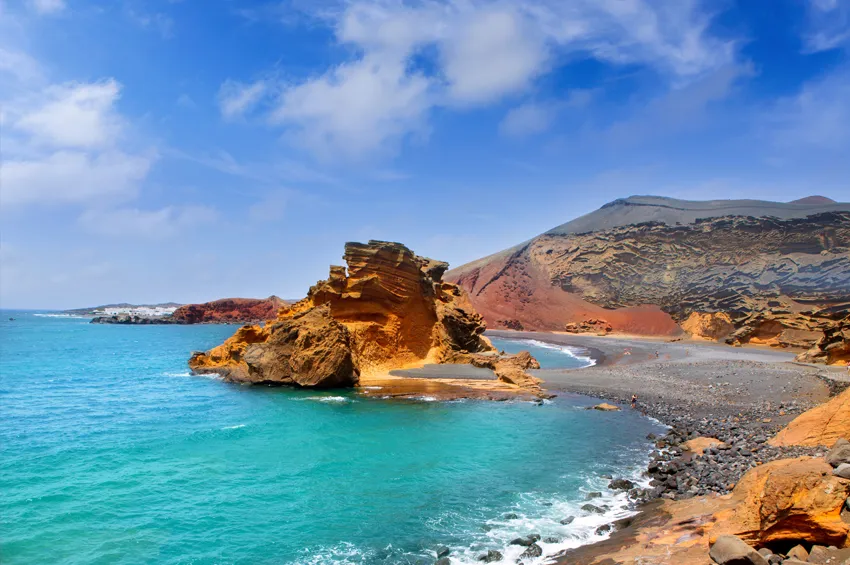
(189, 150)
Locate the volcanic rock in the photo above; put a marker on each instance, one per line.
(779, 272)
(787, 500)
(388, 309)
(229, 310)
(730, 550)
(822, 425)
(708, 325)
(832, 348)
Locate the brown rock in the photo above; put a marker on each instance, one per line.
(833, 348)
(822, 425)
(787, 500)
(605, 407)
(700, 444)
(798, 552)
(709, 325)
(388, 309)
(229, 310)
(730, 550)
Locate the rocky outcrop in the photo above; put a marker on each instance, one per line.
(388, 309)
(780, 277)
(833, 347)
(229, 311)
(786, 502)
(822, 425)
(708, 325)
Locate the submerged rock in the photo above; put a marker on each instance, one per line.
(491, 556)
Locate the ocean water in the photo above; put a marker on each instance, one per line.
(111, 452)
(549, 355)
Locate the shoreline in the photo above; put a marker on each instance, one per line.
(741, 396)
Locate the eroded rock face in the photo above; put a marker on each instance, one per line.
(708, 325)
(229, 310)
(778, 281)
(389, 309)
(833, 347)
(822, 425)
(788, 500)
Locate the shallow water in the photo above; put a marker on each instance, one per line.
(549, 355)
(113, 453)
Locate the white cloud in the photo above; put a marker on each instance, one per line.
(74, 115)
(236, 98)
(828, 25)
(48, 7)
(484, 51)
(72, 177)
(528, 119)
(817, 117)
(493, 53)
(355, 109)
(163, 223)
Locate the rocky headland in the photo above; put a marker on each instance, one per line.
(223, 311)
(743, 272)
(388, 309)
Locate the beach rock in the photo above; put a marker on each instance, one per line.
(567, 521)
(621, 484)
(531, 552)
(839, 454)
(491, 556)
(442, 551)
(592, 509)
(443, 561)
(822, 425)
(592, 495)
(788, 500)
(511, 516)
(731, 550)
(605, 407)
(525, 542)
(699, 444)
(842, 471)
(798, 552)
(604, 529)
(388, 309)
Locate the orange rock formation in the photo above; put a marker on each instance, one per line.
(822, 425)
(709, 325)
(389, 309)
(833, 347)
(787, 501)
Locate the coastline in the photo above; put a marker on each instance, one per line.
(741, 396)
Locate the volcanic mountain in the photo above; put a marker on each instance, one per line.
(744, 270)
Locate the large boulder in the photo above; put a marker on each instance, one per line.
(310, 349)
(731, 550)
(839, 454)
(822, 425)
(788, 500)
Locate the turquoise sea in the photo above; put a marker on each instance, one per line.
(111, 452)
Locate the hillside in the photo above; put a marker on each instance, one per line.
(780, 271)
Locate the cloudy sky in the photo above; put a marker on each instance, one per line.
(187, 150)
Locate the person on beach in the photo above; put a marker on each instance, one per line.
(634, 401)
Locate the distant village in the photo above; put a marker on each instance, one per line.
(147, 311)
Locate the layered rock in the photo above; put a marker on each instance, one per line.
(786, 502)
(822, 425)
(708, 325)
(833, 347)
(228, 311)
(388, 309)
(779, 272)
